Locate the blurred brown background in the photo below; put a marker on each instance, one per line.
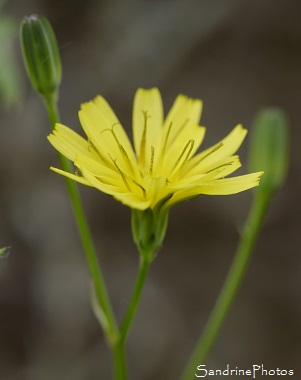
(238, 56)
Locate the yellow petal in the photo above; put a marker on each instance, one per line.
(97, 168)
(181, 150)
(224, 167)
(184, 110)
(231, 185)
(211, 156)
(119, 193)
(75, 177)
(69, 143)
(217, 187)
(132, 201)
(147, 123)
(112, 121)
(106, 133)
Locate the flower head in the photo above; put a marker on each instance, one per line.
(164, 167)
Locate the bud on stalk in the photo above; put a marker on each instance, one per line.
(270, 148)
(41, 56)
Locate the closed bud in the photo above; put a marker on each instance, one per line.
(269, 148)
(41, 56)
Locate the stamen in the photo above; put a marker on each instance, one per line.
(127, 159)
(179, 130)
(125, 179)
(121, 148)
(219, 167)
(123, 176)
(211, 151)
(143, 140)
(189, 146)
(206, 155)
(91, 147)
(166, 138)
(151, 165)
(175, 136)
(140, 186)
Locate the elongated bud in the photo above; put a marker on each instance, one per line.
(270, 148)
(41, 55)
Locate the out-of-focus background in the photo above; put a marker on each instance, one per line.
(238, 56)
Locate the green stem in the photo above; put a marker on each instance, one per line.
(119, 361)
(231, 285)
(110, 326)
(118, 346)
(144, 265)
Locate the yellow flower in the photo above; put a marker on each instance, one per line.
(164, 164)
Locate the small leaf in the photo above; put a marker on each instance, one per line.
(4, 252)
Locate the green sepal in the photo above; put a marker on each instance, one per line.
(41, 56)
(149, 228)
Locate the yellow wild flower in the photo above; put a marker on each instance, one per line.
(164, 167)
(163, 164)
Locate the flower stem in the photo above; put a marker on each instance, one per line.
(118, 346)
(119, 361)
(231, 285)
(110, 326)
(144, 265)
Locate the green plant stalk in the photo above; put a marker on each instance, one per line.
(144, 265)
(231, 284)
(118, 348)
(110, 327)
(119, 362)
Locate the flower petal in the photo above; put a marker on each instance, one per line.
(75, 177)
(69, 143)
(97, 168)
(224, 186)
(232, 185)
(211, 156)
(224, 167)
(106, 134)
(181, 150)
(184, 110)
(147, 123)
(128, 198)
(111, 120)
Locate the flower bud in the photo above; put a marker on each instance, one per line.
(269, 149)
(41, 56)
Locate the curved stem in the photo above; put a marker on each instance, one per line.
(132, 307)
(109, 326)
(230, 287)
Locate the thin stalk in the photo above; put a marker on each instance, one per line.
(119, 362)
(231, 285)
(110, 327)
(144, 265)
